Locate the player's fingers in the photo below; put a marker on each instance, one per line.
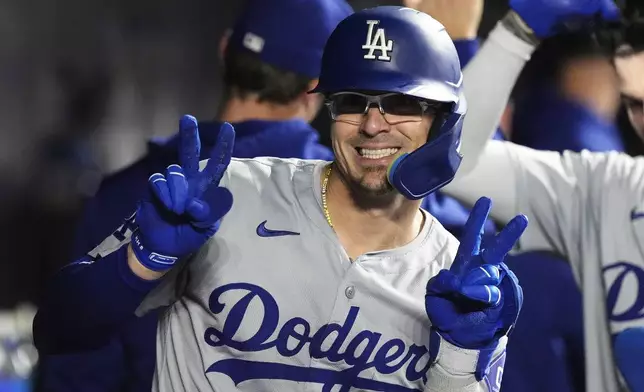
(190, 145)
(470, 240)
(496, 248)
(485, 274)
(178, 186)
(198, 210)
(219, 158)
(212, 208)
(488, 294)
(628, 347)
(159, 187)
(444, 282)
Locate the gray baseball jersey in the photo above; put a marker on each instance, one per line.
(588, 207)
(273, 303)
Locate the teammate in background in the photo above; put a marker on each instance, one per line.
(551, 326)
(551, 323)
(629, 62)
(585, 206)
(319, 250)
(269, 66)
(565, 65)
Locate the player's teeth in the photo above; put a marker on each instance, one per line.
(377, 154)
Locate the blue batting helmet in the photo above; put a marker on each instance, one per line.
(401, 50)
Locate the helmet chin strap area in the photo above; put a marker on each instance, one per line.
(392, 169)
(429, 168)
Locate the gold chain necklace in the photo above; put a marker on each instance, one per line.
(325, 185)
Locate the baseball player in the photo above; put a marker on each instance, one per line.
(585, 206)
(282, 136)
(551, 323)
(320, 276)
(269, 67)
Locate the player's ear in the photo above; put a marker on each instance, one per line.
(223, 43)
(311, 102)
(315, 97)
(313, 84)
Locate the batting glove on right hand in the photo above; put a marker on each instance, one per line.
(186, 204)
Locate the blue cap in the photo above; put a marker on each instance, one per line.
(288, 34)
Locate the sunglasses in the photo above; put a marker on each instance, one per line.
(396, 108)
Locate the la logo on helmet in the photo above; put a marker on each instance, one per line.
(377, 42)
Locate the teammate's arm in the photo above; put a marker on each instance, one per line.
(488, 167)
(496, 67)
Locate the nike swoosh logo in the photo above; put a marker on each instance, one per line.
(635, 215)
(262, 231)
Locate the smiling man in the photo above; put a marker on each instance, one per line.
(364, 151)
(321, 275)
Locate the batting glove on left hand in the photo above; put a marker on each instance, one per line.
(186, 204)
(477, 301)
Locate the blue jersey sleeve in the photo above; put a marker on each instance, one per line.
(466, 49)
(87, 304)
(85, 230)
(315, 150)
(546, 120)
(130, 353)
(116, 198)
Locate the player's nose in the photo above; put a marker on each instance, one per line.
(374, 122)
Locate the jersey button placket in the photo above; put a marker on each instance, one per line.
(350, 292)
(350, 289)
(341, 310)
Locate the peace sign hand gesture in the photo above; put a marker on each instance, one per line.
(186, 204)
(478, 299)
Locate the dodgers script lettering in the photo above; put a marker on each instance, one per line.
(391, 356)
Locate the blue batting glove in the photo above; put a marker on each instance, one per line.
(477, 301)
(628, 347)
(546, 17)
(186, 204)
